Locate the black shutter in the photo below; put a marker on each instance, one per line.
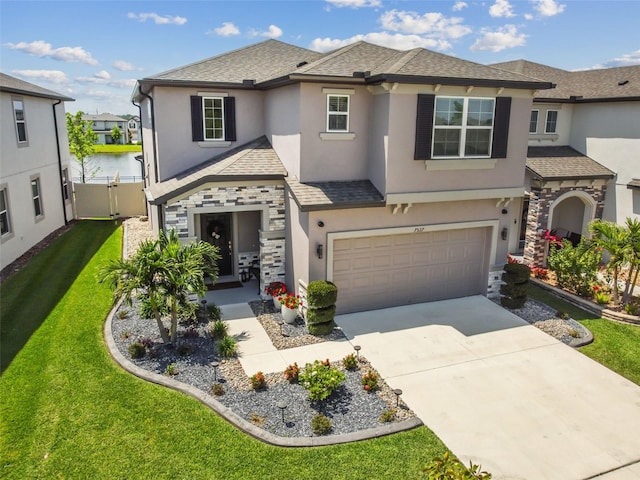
(501, 127)
(230, 119)
(197, 125)
(424, 126)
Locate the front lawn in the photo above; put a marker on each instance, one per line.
(616, 345)
(68, 411)
(117, 148)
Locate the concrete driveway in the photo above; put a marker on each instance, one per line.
(503, 394)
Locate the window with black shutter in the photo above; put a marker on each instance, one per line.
(213, 118)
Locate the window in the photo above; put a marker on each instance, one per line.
(213, 119)
(5, 223)
(35, 194)
(65, 183)
(463, 127)
(533, 122)
(552, 121)
(337, 113)
(21, 124)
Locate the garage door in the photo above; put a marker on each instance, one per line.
(383, 271)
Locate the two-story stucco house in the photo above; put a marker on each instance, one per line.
(103, 123)
(392, 173)
(584, 152)
(35, 182)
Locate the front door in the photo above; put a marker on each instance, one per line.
(219, 234)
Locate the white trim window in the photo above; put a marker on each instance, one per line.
(5, 220)
(463, 127)
(338, 113)
(551, 123)
(533, 121)
(213, 115)
(65, 183)
(36, 196)
(21, 123)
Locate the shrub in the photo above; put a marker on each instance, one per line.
(213, 312)
(601, 298)
(188, 312)
(217, 390)
(518, 272)
(321, 315)
(122, 314)
(171, 369)
(218, 329)
(184, 349)
(321, 294)
(320, 380)
(449, 468)
(126, 334)
(576, 268)
(191, 332)
(388, 416)
(145, 310)
(146, 341)
(227, 347)
(540, 272)
(350, 362)
(321, 328)
(370, 381)
(321, 425)
(561, 314)
(631, 309)
(514, 291)
(258, 381)
(137, 350)
(291, 373)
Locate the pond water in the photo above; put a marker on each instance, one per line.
(123, 163)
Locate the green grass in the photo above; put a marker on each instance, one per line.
(616, 345)
(68, 411)
(117, 148)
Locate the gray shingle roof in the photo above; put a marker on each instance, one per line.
(15, 85)
(335, 194)
(252, 161)
(588, 84)
(103, 117)
(634, 184)
(564, 163)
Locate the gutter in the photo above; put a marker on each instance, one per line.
(153, 132)
(55, 124)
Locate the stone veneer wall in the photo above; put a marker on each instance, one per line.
(272, 248)
(540, 202)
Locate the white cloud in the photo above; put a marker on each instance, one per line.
(157, 19)
(433, 23)
(124, 66)
(97, 79)
(273, 32)
(227, 29)
(502, 8)
(397, 41)
(52, 76)
(548, 8)
(40, 48)
(354, 3)
(459, 6)
(102, 74)
(626, 60)
(528, 16)
(498, 40)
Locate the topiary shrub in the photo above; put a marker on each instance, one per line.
(321, 329)
(321, 315)
(514, 291)
(321, 294)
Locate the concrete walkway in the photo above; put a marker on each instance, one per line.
(503, 394)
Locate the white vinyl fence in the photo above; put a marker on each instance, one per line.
(112, 200)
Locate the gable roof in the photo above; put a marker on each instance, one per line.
(15, 85)
(272, 63)
(103, 117)
(255, 160)
(564, 163)
(619, 83)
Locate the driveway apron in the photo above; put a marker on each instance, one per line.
(501, 393)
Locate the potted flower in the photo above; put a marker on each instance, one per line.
(276, 290)
(290, 304)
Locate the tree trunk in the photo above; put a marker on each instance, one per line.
(174, 320)
(163, 332)
(616, 297)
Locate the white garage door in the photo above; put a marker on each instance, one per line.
(384, 271)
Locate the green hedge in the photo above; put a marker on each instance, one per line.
(316, 316)
(516, 273)
(321, 294)
(321, 328)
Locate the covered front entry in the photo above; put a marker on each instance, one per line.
(383, 270)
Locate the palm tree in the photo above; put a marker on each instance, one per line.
(633, 257)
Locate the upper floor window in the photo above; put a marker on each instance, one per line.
(213, 118)
(5, 221)
(65, 183)
(21, 123)
(337, 113)
(36, 196)
(213, 113)
(551, 122)
(463, 127)
(533, 122)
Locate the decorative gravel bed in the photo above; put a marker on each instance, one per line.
(350, 408)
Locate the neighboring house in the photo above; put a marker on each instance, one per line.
(35, 182)
(391, 173)
(133, 129)
(103, 124)
(584, 153)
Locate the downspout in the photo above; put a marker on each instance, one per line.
(153, 132)
(55, 124)
(140, 158)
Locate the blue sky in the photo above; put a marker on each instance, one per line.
(94, 51)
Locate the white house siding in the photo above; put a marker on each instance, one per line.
(18, 164)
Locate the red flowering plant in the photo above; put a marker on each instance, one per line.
(276, 289)
(291, 373)
(552, 238)
(540, 272)
(290, 301)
